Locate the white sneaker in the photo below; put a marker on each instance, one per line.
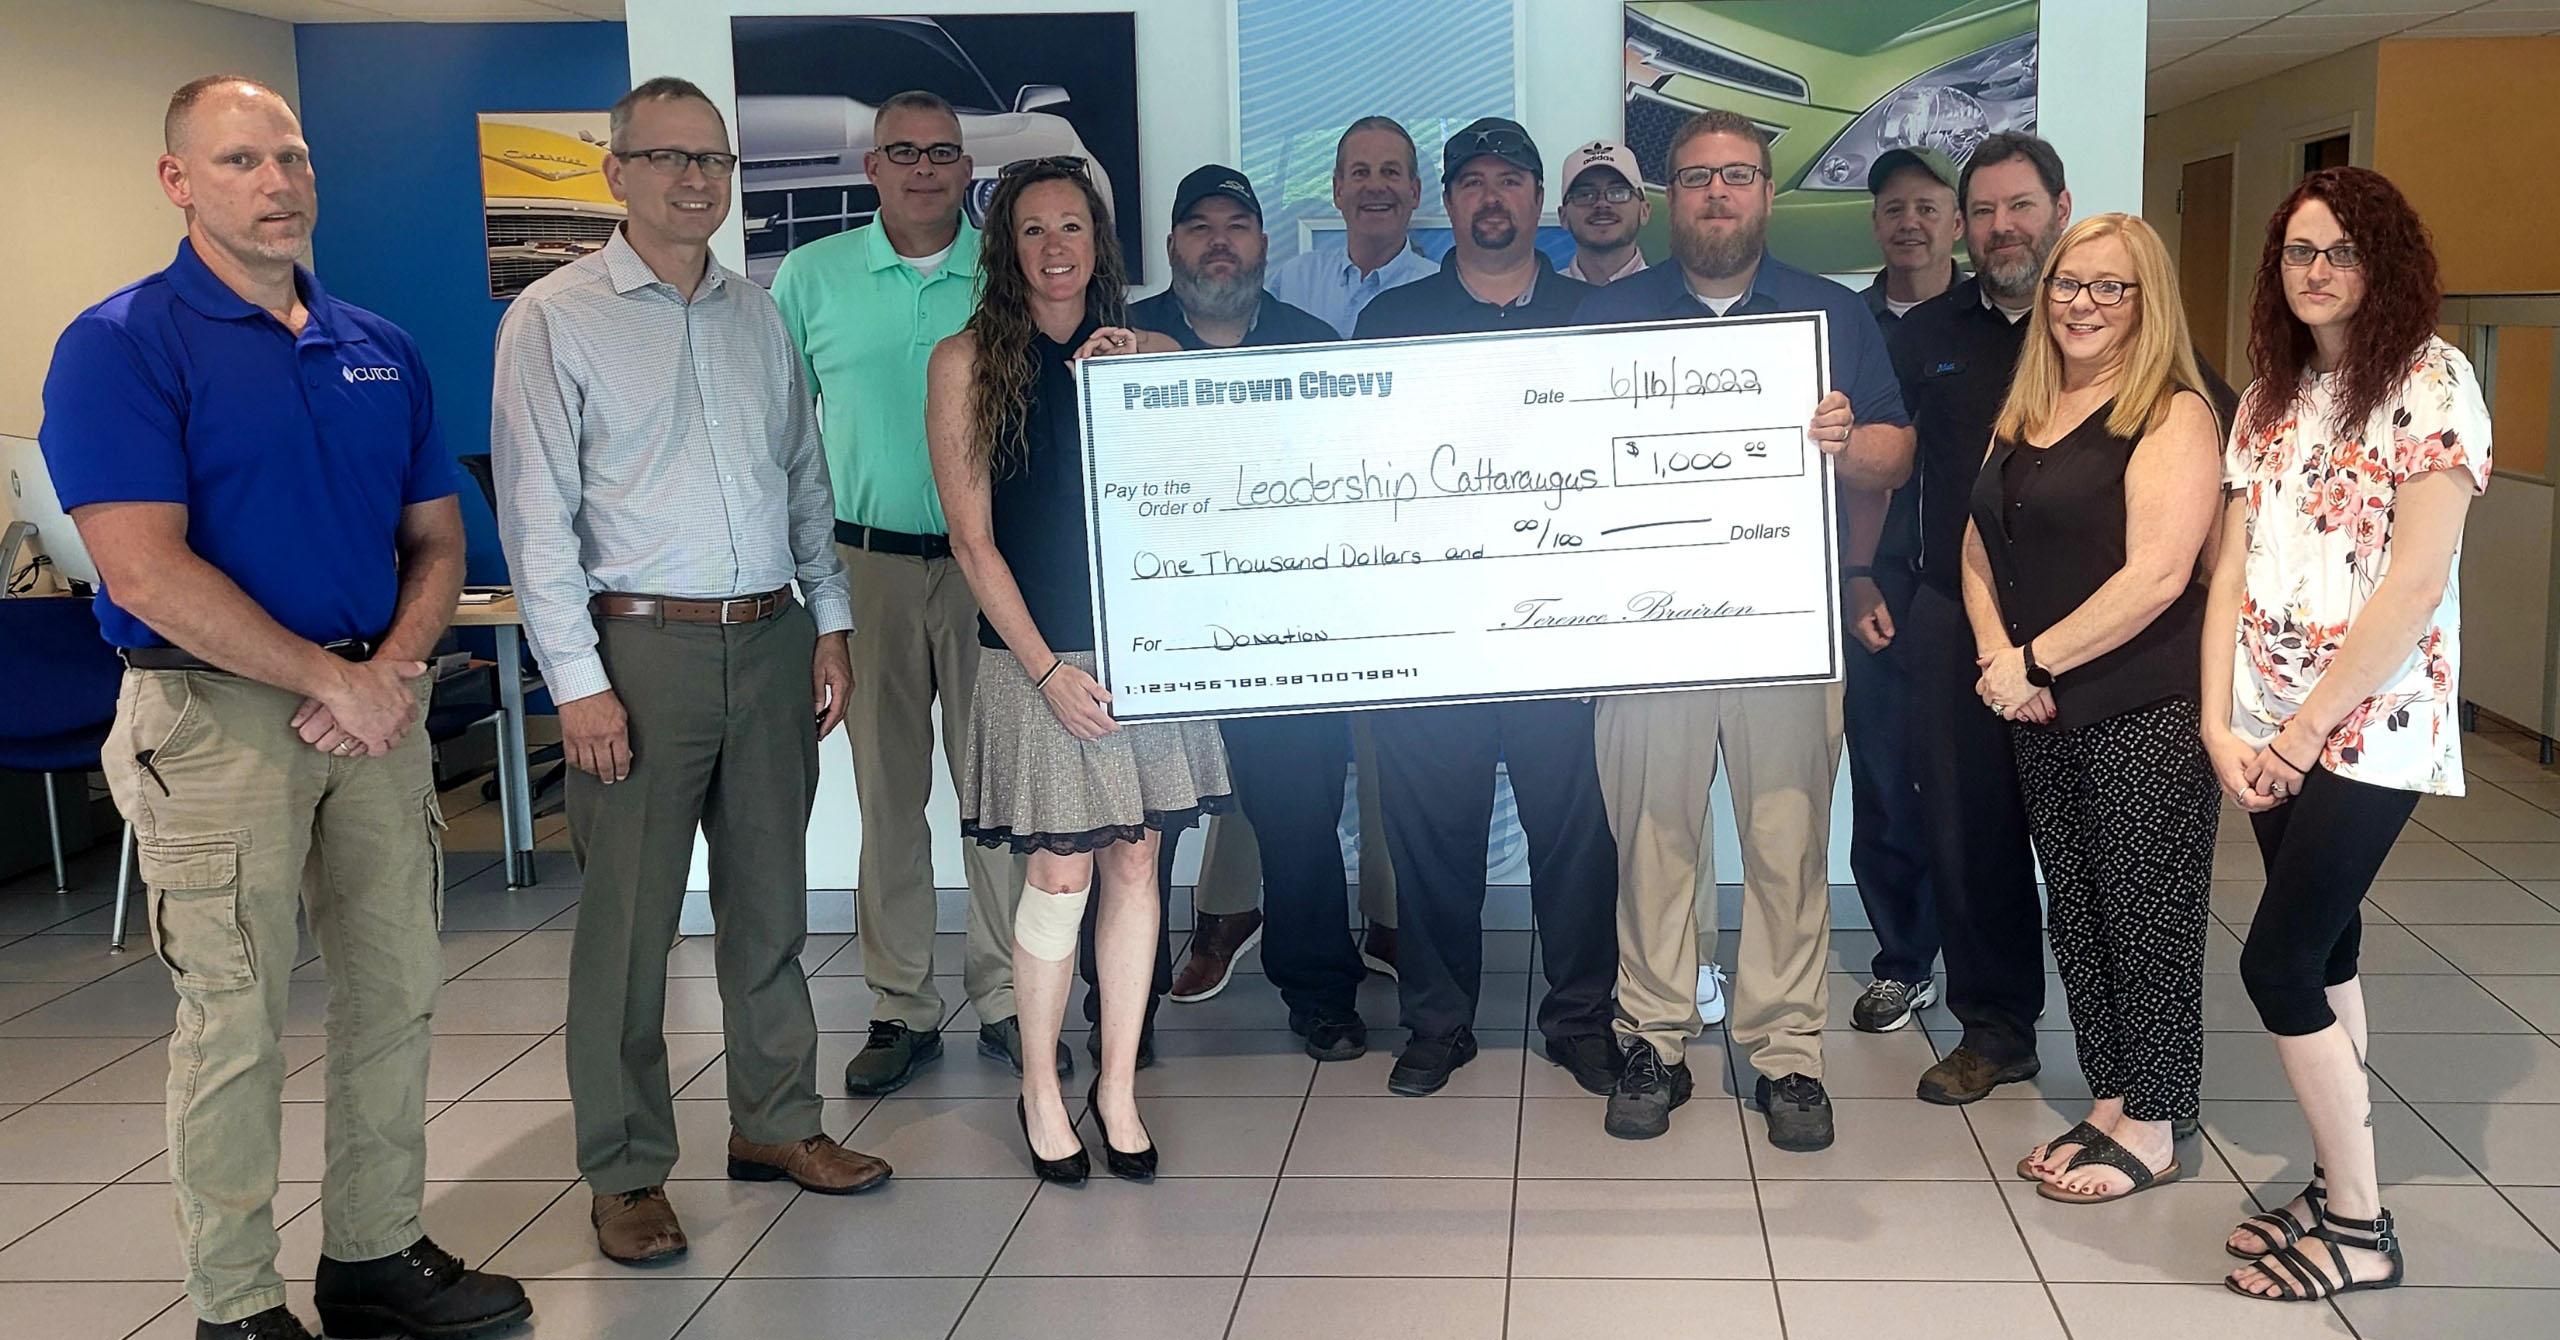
(1710, 994)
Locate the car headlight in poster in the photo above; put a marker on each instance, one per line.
(1024, 86)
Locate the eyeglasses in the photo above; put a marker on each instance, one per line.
(2104, 292)
(1734, 174)
(671, 162)
(1071, 164)
(2342, 255)
(905, 154)
(1616, 193)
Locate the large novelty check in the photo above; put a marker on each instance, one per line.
(1460, 518)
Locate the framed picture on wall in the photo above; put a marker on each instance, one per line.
(1834, 86)
(542, 193)
(1025, 86)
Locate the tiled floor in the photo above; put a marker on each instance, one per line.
(1302, 1201)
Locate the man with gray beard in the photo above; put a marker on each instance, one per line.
(1288, 770)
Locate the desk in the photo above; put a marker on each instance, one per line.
(515, 788)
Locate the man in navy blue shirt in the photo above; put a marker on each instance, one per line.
(257, 472)
(1436, 764)
(1288, 770)
(1658, 750)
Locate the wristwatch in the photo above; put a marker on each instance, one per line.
(2036, 674)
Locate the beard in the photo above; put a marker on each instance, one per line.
(1716, 255)
(2016, 280)
(1204, 296)
(1493, 228)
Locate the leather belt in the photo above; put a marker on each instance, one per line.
(667, 609)
(171, 658)
(880, 541)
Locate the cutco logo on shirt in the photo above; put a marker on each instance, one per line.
(370, 374)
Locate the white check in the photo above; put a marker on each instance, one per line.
(1528, 514)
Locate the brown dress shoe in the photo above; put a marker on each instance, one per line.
(1967, 1076)
(634, 1227)
(818, 1164)
(1215, 944)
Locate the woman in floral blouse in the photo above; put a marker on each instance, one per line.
(2333, 632)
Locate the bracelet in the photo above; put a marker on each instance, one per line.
(1856, 570)
(1043, 681)
(2280, 758)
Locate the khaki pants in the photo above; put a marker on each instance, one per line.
(240, 824)
(723, 741)
(1657, 759)
(1231, 862)
(916, 638)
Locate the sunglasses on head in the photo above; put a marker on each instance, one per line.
(1071, 164)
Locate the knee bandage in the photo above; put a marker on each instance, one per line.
(1045, 923)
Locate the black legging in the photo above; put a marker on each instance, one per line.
(2322, 849)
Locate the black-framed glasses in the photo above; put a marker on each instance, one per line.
(672, 162)
(1073, 164)
(1735, 175)
(2104, 292)
(906, 153)
(2300, 255)
(1616, 193)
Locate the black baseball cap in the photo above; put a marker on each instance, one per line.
(1214, 179)
(1504, 139)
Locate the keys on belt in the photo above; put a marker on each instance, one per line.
(668, 609)
(171, 658)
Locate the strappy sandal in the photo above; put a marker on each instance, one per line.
(2303, 1281)
(2102, 1151)
(2079, 1135)
(2277, 1227)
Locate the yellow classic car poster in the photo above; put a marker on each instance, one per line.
(542, 193)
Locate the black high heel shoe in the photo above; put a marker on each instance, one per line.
(1068, 1171)
(1138, 1167)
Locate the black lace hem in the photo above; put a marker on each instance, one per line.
(1070, 844)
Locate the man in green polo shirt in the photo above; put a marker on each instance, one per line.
(865, 308)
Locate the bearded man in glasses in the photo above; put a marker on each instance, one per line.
(661, 489)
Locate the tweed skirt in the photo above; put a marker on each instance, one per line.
(1030, 785)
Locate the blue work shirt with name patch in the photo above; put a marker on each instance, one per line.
(293, 455)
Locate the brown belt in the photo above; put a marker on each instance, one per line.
(666, 609)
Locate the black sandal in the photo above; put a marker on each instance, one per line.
(2103, 1151)
(2304, 1282)
(2277, 1227)
(2079, 1135)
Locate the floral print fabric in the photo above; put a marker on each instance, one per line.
(2319, 535)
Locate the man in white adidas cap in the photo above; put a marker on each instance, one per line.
(1604, 208)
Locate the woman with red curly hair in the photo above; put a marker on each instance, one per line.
(2333, 632)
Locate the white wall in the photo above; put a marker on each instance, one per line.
(83, 85)
(1571, 80)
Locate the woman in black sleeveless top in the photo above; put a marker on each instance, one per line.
(1048, 771)
(2082, 583)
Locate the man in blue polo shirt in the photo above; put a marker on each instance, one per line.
(256, 470)
(1658, 750)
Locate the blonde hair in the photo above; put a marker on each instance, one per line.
(2159, 362)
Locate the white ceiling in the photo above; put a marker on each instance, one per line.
(2199, 47)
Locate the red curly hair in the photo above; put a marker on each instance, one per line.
(2398, 314)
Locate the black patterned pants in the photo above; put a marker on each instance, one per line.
(2123, 813)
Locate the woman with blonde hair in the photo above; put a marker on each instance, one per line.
(2083, 585)
(1049, 772)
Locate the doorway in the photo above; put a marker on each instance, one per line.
(2204, 256)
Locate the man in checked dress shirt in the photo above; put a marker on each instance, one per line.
(662, 486)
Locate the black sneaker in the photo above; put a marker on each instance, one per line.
(1425, 1064)
(1887, 1005)
(1640, 1105)
(891, 1058)
(1799, 1112)
(1591, 1058)
(1332, 1035)
(1002, 1041)
(1146, 1046)
(423, 1291)
(276, 1323)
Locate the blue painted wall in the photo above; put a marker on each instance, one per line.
(390, 110)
